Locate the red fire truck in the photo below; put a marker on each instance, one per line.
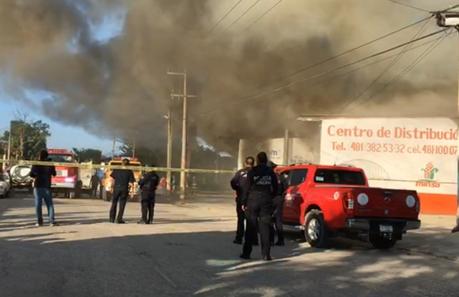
(66, 180)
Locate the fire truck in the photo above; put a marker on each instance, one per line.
(66, 179)
(109, 182)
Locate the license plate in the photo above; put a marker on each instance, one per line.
(386, 228)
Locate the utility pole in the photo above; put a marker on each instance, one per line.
(113, 147)
(286, 156)
(9, 145)
(183, 159)
(133, 149)
(451, 19)
(169, 148)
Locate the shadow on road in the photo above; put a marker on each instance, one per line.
(207, 264)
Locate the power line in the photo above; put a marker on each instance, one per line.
(224, 16)
(406, 70)
(345, 65)
(418, 60)
(396, 59)
(408, 5)
(324, 61)
(380, 60)
(301, 70)
(324, 74)
(242, 15)
(263, 14)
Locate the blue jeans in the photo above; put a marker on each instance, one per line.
(41, 194)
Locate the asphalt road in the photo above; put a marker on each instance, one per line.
(188, 251)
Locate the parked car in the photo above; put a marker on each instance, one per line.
(5, 185)
(20, 177)
(326, 201)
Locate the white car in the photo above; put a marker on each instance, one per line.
(5, 185)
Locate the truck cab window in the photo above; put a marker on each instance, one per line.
(339, 177)
(297, 177)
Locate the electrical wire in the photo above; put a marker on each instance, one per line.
(390, 65)
(418, 60)
(223, 17)
(322, 75)
(275, 90)
(242, 15)
(262, 15)
(408, 5)
(402, 73)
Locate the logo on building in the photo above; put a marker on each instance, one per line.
(429, 174)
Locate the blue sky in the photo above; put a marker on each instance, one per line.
(61, 136)
(102, 30)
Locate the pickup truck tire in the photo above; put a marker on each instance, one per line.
(315, 231)
(381, 242)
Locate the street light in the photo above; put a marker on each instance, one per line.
(448, 19)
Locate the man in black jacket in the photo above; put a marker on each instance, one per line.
(278, 208)
(238, 182)
(148, 185)
(42, 188)
(258, 205)
(123, 178)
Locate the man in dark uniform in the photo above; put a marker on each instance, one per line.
(94, 184)
(148, 185)
(258, 204)
(123, 178)
(278, 205)
(238, 182)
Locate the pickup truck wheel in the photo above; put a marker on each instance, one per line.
(315, 230)
(381, 242)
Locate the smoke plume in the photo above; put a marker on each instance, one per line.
(102, 65)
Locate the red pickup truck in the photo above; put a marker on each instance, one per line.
(336, 200)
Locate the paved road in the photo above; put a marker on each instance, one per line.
(188, 252)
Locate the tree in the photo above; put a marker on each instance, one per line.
(144, 154)
(27, 138)
(88, 154)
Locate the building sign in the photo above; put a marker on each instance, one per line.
(406, 153)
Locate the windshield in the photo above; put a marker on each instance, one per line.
(62, 158)
(339, 177)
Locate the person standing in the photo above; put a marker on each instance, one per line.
(123, 178)
(258, 205)
(42, 189)
(148, 185)
(94, 184)
(456, 228)
(278, 208)
(101, 175)
(238, 182)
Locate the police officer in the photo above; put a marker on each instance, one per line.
(123, 178)
(94, 184)
(258, 205)
(148, 185)
(278, 205)
(238, 182)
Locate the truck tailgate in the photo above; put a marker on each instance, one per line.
(386, 203)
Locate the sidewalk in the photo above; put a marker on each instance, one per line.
(434, 238)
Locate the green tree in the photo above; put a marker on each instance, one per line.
(88, 154)
(28, 138)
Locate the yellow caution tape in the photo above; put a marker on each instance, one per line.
(111, 167)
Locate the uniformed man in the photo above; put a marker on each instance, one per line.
(278, 204)
(94, 184)
(258, 205)
(238, 182)
(148, 185)
(123, 178)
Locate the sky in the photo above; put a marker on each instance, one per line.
(102, 31)
(61, 136)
